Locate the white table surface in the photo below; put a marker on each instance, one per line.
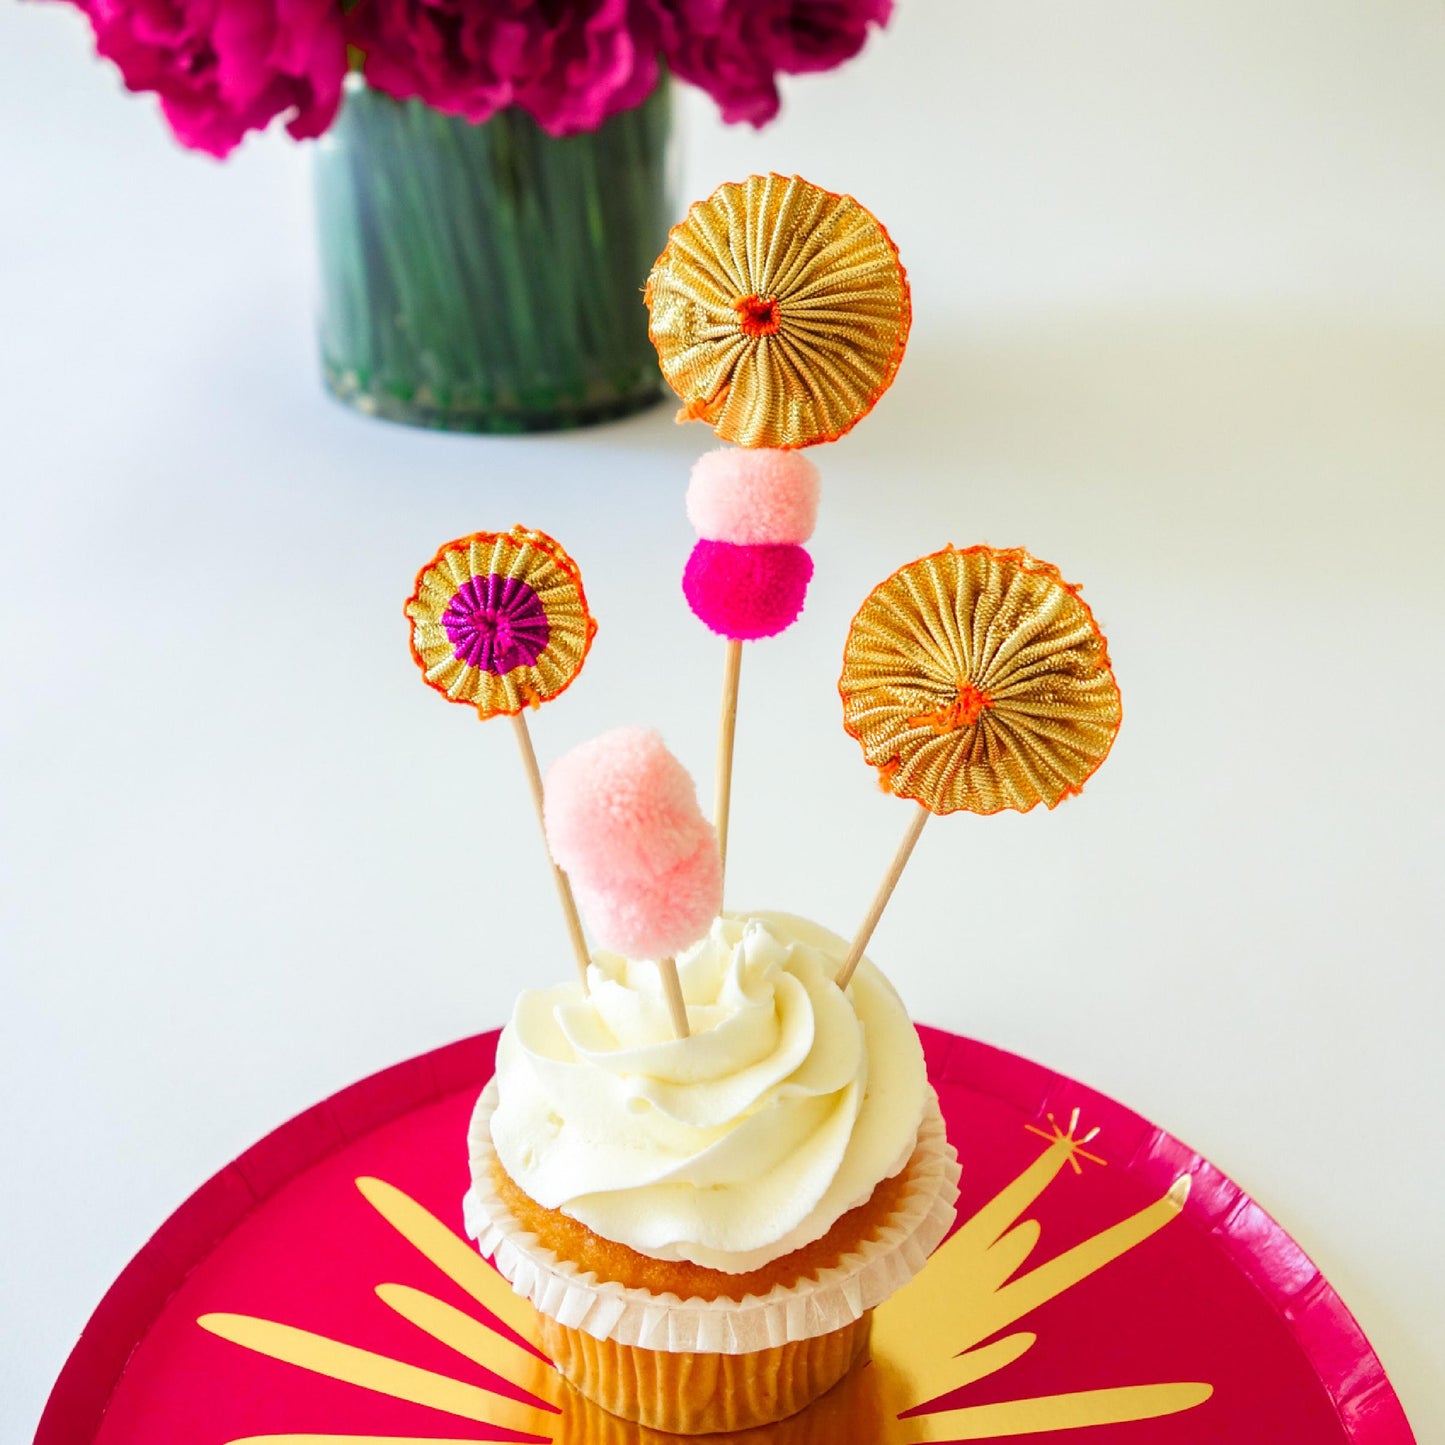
(1180, 285)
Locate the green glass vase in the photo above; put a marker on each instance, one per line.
(489, 277)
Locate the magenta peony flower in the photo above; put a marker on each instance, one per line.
(569, 63)
(459, 56)
(810, 35)
(733, 49)
(225, 67)
(591, 61)
(711, 51)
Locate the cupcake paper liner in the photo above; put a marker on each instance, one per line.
(702, 1393)
(831, 1300)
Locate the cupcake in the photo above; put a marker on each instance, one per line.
(705, 1224)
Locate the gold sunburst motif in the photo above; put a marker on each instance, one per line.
(780, 312)
(941, 1332)
(977, 679)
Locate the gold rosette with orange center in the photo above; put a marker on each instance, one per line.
(779, 312)
(500, 621)
(978, 680)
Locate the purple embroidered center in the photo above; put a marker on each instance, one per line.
(496, 623)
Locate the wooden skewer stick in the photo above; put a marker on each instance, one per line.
(564, 888)
(727, 727)
(880, 899)
(676, 1004)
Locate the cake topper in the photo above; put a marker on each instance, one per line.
(975, 680)
(780, 313)
(748, 574)
(622, 819)
(499, 621)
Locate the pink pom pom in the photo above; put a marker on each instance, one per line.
(622, 818)
(620, 806)
(753, 495)
(658, 915)
(746, 592)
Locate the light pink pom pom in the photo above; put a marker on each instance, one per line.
(658, 915)
(753, 494)
(619, 806)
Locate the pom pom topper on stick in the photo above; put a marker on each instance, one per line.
(975, 680)
(748, 574)
(622, 819)
(780, 312)
(500, 622)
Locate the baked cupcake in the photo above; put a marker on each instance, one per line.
(705, 1224)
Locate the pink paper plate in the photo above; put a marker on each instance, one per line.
(1108, 1286)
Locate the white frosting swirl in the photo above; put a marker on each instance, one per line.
(785, 1109)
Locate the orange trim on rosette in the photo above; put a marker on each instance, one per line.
(780, 312)
(500, 621)
(976, 679)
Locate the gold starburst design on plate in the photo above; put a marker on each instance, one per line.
(940, 1332)
(976, 680)
(779, 312)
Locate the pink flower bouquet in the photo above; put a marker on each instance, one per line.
(225, 67)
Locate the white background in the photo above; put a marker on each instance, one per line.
(1179, 273)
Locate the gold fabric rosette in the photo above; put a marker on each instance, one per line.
(500, 621)
(977, 679)
(780, 312)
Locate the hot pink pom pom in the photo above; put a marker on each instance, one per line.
(658, 915)
(753, 495)
(620, 806)
(746, 592)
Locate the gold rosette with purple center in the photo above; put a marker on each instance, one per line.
(500, 621)
(977, 680)
(779, 312)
